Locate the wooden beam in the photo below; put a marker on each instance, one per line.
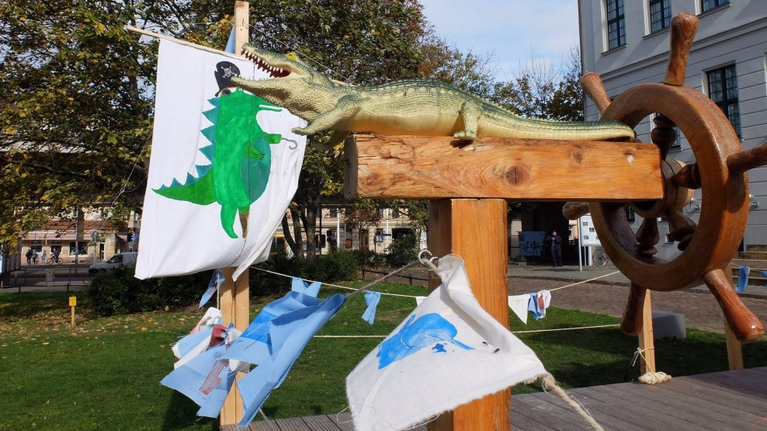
(421, 167)
(647, 337)
(235, 297)
(453, 228)
(734, 348)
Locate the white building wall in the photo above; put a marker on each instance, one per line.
(731, 34)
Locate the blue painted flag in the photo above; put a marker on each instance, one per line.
(743, 272)
(371, 300)
(447, 352)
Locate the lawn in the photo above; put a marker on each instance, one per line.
(104, 374)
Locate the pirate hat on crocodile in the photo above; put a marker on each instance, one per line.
(225, 70)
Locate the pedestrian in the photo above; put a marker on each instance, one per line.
(34, 257)
(29, 257)
(555, 245)
(44, 256)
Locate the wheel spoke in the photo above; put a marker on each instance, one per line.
(647, 236)
(688, 177)
(746, 326)
(663, 135)
(681, 227)
(575, 210)
(594, 87)
(631, 323)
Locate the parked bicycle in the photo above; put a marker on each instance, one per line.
(600, 258)
(55, 259)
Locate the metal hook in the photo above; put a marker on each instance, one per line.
(431, 260)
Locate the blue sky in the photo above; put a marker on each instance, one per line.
(511, 30)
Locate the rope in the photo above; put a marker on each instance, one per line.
(550, 384)
(381, 280)
(584, 281)
(651, 377)
(337, 286)
(513, 332)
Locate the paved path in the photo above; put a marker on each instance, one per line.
(608, 295)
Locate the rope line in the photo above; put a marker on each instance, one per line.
(551, 384)
(336, 285)
(584, 281)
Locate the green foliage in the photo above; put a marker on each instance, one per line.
(119, 292)
(328, 268)
(403, 250)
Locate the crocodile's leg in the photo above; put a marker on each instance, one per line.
(470, 112)
(346, 108)
(244, 213)
(337, 138)
(228, 212)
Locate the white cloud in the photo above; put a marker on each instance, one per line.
(511, 30)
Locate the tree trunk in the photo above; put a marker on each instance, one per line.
(309, 219)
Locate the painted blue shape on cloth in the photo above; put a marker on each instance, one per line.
(439, 348)
(255, 345)
(189, 342)
(215, 282)
(206, 380)
(415, 335)
(743, 272)
(300, 286)
(371, 299)
(289, 333)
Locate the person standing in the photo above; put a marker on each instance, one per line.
(555, 244)
(34, 257)
(44, 256)
(29, 257)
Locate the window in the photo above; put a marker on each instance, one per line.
(707, 5)
(82, 245)
(660, 15)
(616, 24)
(723, 90)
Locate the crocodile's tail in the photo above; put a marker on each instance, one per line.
(532, 128)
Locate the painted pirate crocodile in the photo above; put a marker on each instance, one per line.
(241, 159)
(410, 107)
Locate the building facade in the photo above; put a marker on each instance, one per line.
(627, 43)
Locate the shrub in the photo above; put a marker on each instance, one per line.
(119, 292)
(403, 250)
(328, 268)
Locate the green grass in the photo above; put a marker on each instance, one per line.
(104, 374)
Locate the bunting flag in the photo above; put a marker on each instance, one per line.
(743, 273)
(519, 305)
(223, 170)
(274, 341)
(447, 352)
(213, 286)
(371, 300)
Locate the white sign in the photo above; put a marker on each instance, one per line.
(588, 232)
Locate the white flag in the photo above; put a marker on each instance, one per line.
(223, 170)
(449, 351)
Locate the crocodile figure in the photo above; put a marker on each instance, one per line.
(241, 159)
(409, 107)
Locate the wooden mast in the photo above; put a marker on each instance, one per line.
(235, 297)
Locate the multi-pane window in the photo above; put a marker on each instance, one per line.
(706, 5)
(723, 90)
(660, 15)
(616, 24)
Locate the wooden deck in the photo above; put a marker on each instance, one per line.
(723, 401)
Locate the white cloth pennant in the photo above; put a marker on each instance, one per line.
(447, 352)
(519, 304)
(222, 159)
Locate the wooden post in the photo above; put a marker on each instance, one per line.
(647, 338)
(475, 229)
(734, 348)
(235, 297)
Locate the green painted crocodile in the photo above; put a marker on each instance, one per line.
(411, 107)
(240, 156)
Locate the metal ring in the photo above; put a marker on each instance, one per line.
(421, 256)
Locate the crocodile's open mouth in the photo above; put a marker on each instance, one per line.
(273, 71)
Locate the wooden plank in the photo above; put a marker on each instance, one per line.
(342, 421)
(724, 412)
(320, 423)
(752, 387)
(454, 228)
(709, 391)
(418, 167)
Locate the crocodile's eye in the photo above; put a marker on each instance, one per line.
(227, 91)
(292, 56)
